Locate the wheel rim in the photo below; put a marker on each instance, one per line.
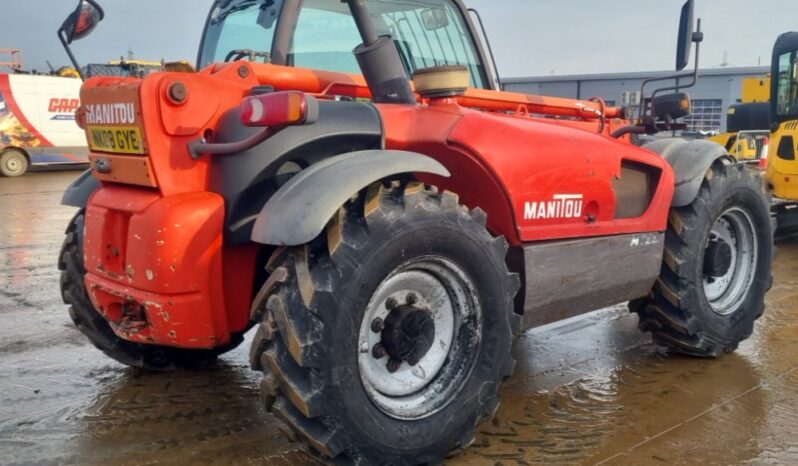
(441, 289)
(13, 164)
(727, 291)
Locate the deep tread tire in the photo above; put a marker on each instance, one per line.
(13, 163)
(96, 328)
(307, 342)
(677, 312)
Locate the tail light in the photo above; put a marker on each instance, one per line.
(279, 109)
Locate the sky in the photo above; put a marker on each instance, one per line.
(529, 37)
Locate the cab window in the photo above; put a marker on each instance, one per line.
(787, 89)
(434, 33)
(239, 26)
(324, 40)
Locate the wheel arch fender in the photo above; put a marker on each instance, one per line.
(301, 209)
(690, 161)
(18, 149)
(79, 192)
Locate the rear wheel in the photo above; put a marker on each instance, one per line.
(96, 328)
(384, 341)
(717, 267)
(13, 163)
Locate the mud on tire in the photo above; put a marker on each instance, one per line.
(310, 342)
(96, 328)
(691, 310)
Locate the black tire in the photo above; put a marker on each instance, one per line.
(97, 329)
(678, 312)
(13, 163)
(316, 297)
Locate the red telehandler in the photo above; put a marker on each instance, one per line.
(344, 177)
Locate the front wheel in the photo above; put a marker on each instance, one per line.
(385, 341)
(716, 268)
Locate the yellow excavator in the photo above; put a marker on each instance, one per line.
(781, 176)
(782, 171)
(764, 127)
(748, 122)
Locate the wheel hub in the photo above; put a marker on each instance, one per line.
(13, 164)
(730, 261)
(408, 334)
(417, 337)
(718, 258)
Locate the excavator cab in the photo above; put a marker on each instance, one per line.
(782, 172)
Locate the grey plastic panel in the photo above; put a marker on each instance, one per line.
(301, 209)
(78, 193)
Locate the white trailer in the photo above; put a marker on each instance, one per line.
(37, 123)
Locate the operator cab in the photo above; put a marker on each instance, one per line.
(785, 73)
(321, 34)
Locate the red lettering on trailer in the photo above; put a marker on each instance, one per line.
(58, 105)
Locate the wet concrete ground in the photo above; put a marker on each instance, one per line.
(587, 391)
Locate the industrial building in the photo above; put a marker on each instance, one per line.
(717, 88)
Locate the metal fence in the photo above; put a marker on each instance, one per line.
(749, 145)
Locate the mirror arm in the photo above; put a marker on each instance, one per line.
(61, 34)
(698, 37)
(693, 75)
(485, 37)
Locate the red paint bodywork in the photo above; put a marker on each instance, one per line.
(157, 265)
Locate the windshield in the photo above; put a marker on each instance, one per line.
(244, 25)
(787, 87)
(427, 33)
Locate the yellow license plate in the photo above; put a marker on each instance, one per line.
(116, 139)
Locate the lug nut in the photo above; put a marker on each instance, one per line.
(378, 351)
(377, 325)
(394, 365)
(391, 304)
(412, 298)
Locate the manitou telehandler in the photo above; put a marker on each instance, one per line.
(343, 176)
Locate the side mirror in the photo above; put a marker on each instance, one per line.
(81, 22)
(671, 107)
(686, 30)
(434, 19)
(269, 12)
